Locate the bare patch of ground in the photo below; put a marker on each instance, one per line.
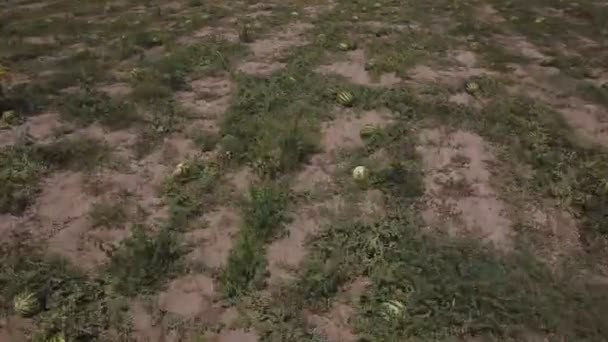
(267, 51)
(14, 329)
(558, 230)
(188, 296)
(40, 40)
(213, 242)
(462, 98)
(287, 253)
(453, 77)
(224, 33)
(521, 46)
(44, 126)
(119, 89)
(317, 174)
(344, 132)
(488, 14)
(61, 214)
(144, 326)
(589, 121)
(459, 197)
(354, 69)
(260, 68)
(372, 205)
(242, 179)
(208, 99)
(272, 47)
(40, 127)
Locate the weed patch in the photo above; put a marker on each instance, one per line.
(279, 117)
(66, 302)
(191, 191)
(73, 153)
(263, 217)
(143, 263)
(89, 105)
(20, 172)
(455, 288)
(109, 214)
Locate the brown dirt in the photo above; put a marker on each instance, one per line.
(177, 148)
(224, 33)
(316, 175)
(559, 232)
(241, 180)
(588, 120)
(454, 77)
(40, 127)
(464, 58)
(214, 241)
(144, 326)
(14, 329)
(209, 97)
(258, 14)
(260, 68)
(285, 38)
(8, 137)
(41, 40)
(520, 45)
(372, 205)
(354, 70)
(334, 325)
(313, 11)
(344, 131)
(459, 196)
(120, 89)
(287, 253)
(462, 98)
(488, 14)
(268, 50)
(188, 296)
(44, 126)
(61, 212)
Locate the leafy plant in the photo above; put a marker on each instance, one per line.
(142, 263)
(263, 216)
(20, 171)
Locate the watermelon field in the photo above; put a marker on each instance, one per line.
(303, 170)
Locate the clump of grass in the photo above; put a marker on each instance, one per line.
(594, 93)
(205, 140)
(162, 77)
(148, 39)
(263, 217)
(487, 86)
(72, 304)
(73, 153)
(279, 117)
(191, 191)
(20, 172)
(109, 214)
(142, 263)
(163, 117)
(89, 105)
(22, 166)
(459, 288)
